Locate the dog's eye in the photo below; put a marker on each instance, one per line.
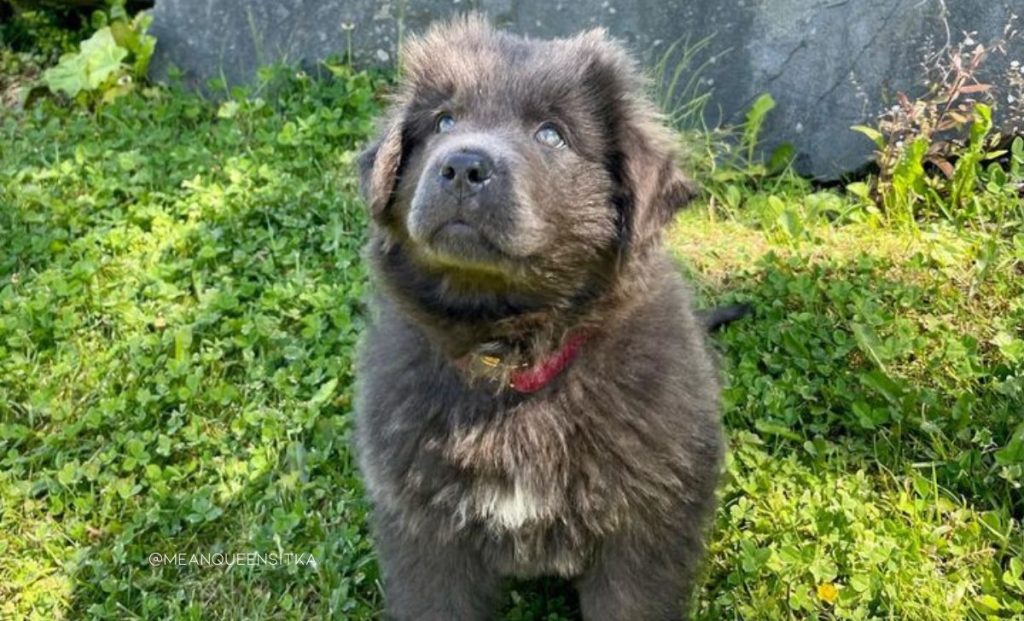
(549, 137)
(445, 123)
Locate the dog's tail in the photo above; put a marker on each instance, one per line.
(719, 316)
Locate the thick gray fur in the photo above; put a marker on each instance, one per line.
(607, 475)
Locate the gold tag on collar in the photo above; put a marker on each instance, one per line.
(490, 361)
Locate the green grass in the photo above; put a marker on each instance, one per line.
(181, 292)
(871, 404)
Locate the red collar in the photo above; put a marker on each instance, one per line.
(531, 379)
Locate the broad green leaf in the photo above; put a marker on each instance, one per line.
(791, 223)
(859, 189)
(228, 109)
(982, 124)
(760, 108)
(98, 59)
(325, 392)
(103, 56)
(889, 387)
(873, 134)
(69, 75)
(868, 342)
(754, 120)
(987, 604)
(776, 429)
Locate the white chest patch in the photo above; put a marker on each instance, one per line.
(510, 509)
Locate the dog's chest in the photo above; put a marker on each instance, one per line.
(525, 527)
(510, 472)
(525, 485)
(508, 507)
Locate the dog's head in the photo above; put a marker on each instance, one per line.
(526, 167)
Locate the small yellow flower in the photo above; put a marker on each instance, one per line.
(828, 592)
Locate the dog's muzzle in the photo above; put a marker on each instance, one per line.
(465, 172)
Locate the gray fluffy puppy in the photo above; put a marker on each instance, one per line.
(536, 395)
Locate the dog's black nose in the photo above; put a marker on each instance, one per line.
(466, 171)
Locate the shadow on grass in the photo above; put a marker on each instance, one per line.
(887, 362)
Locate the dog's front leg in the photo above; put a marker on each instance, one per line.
(641, 577)
(426, 580)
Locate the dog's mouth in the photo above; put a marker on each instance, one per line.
(457, 229)
(459, 243)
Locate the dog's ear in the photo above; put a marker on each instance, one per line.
(650, 188)
(380, 163)
(424, 80)
(366, 160)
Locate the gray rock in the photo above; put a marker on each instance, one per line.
(829, 64)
